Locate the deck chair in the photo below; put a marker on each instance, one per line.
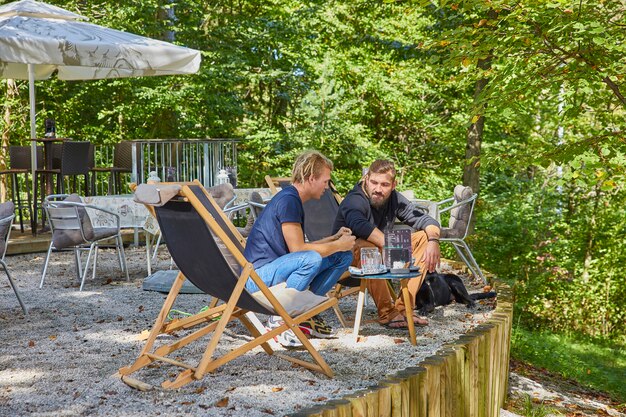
(461, 207)
(209, 252)
(6, 220)
(275, 182)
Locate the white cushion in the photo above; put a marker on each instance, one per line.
(293, 301)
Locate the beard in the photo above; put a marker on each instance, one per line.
(380, 202)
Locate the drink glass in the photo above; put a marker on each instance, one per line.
(370, 260)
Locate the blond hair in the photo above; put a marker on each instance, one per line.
(309, 164)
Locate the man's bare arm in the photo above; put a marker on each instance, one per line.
(294, 237)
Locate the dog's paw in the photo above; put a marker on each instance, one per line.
(471, 306)
(424, 311)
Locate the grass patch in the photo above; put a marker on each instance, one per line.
(591, 363)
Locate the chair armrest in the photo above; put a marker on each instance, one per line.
(255, 204)
(230, 211)
(87, 206)
(457, 204)
(7, 220)
(230, 204)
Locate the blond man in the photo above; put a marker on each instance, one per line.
(277, 248)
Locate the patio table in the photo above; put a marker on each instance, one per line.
(404, 279)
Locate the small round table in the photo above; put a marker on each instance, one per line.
(404, 279)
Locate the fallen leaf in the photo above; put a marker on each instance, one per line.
(230, 389)
(319, 399)
(200, 390)
(31, 343)
(277, 389)
(188, 402)
(222, 403)
(52, 337)
(398, 341)
(487, 288)
(268, 411)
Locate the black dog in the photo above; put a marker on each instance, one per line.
(442, 289)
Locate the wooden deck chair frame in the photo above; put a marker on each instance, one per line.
(274, 182)
(238, 304)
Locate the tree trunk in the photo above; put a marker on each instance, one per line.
(474, 137)
(11, 93)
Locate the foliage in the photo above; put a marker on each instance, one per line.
(592, 363)
(364, 79)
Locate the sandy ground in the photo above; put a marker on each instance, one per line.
(63, 357)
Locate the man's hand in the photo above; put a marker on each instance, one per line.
(341, 232)
(345, 242)
(432, 256)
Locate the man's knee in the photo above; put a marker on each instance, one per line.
(419, 239)
(311, 259)
(344, 259)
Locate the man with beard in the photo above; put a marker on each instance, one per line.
(370, 209)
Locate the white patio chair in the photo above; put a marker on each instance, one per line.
(6, 220)
(72, 230)
(461, 208)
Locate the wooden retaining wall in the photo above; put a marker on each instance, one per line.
(466, 378)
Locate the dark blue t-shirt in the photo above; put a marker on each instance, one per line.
(266, 241)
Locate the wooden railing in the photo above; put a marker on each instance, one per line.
(466, 378)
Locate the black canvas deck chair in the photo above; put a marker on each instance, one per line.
(201, 240)
(318, 223)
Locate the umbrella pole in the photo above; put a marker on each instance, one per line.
(33, 137)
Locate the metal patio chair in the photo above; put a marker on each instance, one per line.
(72, 230)
(6, 220)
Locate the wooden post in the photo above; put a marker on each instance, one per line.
(455, 391)
(337, 408)
(433, 384)
(470, 355)
(412, 376)
(449, 378)
(384, 400)
(371, 399)
(308, 412)
(395, 384)
(358, 403)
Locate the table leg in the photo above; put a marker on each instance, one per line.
(359, 310)
(409, 310)
(148, 254)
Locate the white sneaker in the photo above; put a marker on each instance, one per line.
(287, 338)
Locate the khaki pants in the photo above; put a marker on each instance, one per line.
(387, 309)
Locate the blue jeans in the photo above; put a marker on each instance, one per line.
(305, 270)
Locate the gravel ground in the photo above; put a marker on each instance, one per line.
(63, 357)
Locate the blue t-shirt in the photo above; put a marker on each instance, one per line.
(266, 241)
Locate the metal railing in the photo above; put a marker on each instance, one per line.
(183, 159)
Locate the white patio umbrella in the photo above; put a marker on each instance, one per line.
(37, 39)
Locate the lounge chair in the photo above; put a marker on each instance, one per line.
(208, 250)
